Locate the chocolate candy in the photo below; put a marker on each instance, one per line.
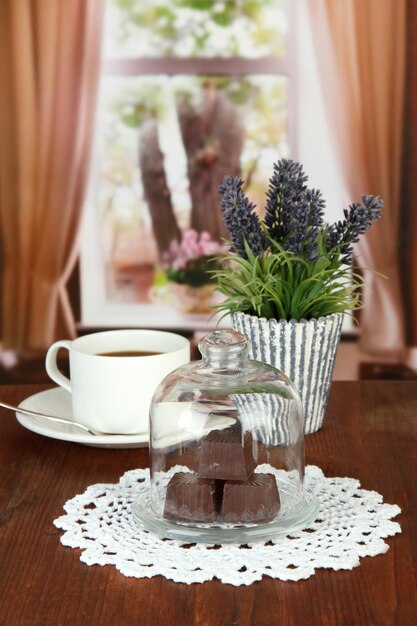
(225, 489)
(227, 455)
(190, 498)
(252, 502)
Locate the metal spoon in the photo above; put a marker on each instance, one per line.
(53, 418)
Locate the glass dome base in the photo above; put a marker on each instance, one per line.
(294, 515)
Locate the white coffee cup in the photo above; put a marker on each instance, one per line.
(112, 394)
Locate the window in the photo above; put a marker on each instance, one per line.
(190, 90)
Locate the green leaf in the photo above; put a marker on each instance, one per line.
(281, 285)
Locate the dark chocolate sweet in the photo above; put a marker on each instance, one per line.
(227, 455)
(190, 498)
(252, 502)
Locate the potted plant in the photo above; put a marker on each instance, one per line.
(187, 265)
(288, 279)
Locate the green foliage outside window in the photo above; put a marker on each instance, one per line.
(194, 27)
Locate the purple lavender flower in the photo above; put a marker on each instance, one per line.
(314, 212)
(294, 213)
(240, 219)
(315, 206)
(294, 216)
(343, 234)
(286, 187)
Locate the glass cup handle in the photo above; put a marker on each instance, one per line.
(52, 367)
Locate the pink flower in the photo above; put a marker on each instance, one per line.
(211, 248)
(193, 246)
(180, 263)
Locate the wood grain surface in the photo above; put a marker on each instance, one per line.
(370, 433)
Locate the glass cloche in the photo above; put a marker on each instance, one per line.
(226, 450)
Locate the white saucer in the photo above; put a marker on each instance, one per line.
(57, 402)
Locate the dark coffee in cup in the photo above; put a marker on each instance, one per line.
(129, 353)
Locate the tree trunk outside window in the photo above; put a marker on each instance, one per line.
(157, 194)
(213, 136)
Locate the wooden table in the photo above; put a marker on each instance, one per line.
(370, 433)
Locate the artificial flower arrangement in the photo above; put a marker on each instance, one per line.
(292, 264)
(190, 261)
(288, 279)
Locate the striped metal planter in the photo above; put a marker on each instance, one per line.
(305, 351)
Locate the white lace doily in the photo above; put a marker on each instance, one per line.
(352, 523)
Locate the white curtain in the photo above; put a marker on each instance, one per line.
(361, 46)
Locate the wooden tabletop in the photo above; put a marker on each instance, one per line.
(370, 433)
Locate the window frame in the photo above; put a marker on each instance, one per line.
(96, 310)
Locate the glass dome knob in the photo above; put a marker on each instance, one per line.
(223, 345)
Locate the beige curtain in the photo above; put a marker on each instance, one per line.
(361, 47)
(49, 65)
